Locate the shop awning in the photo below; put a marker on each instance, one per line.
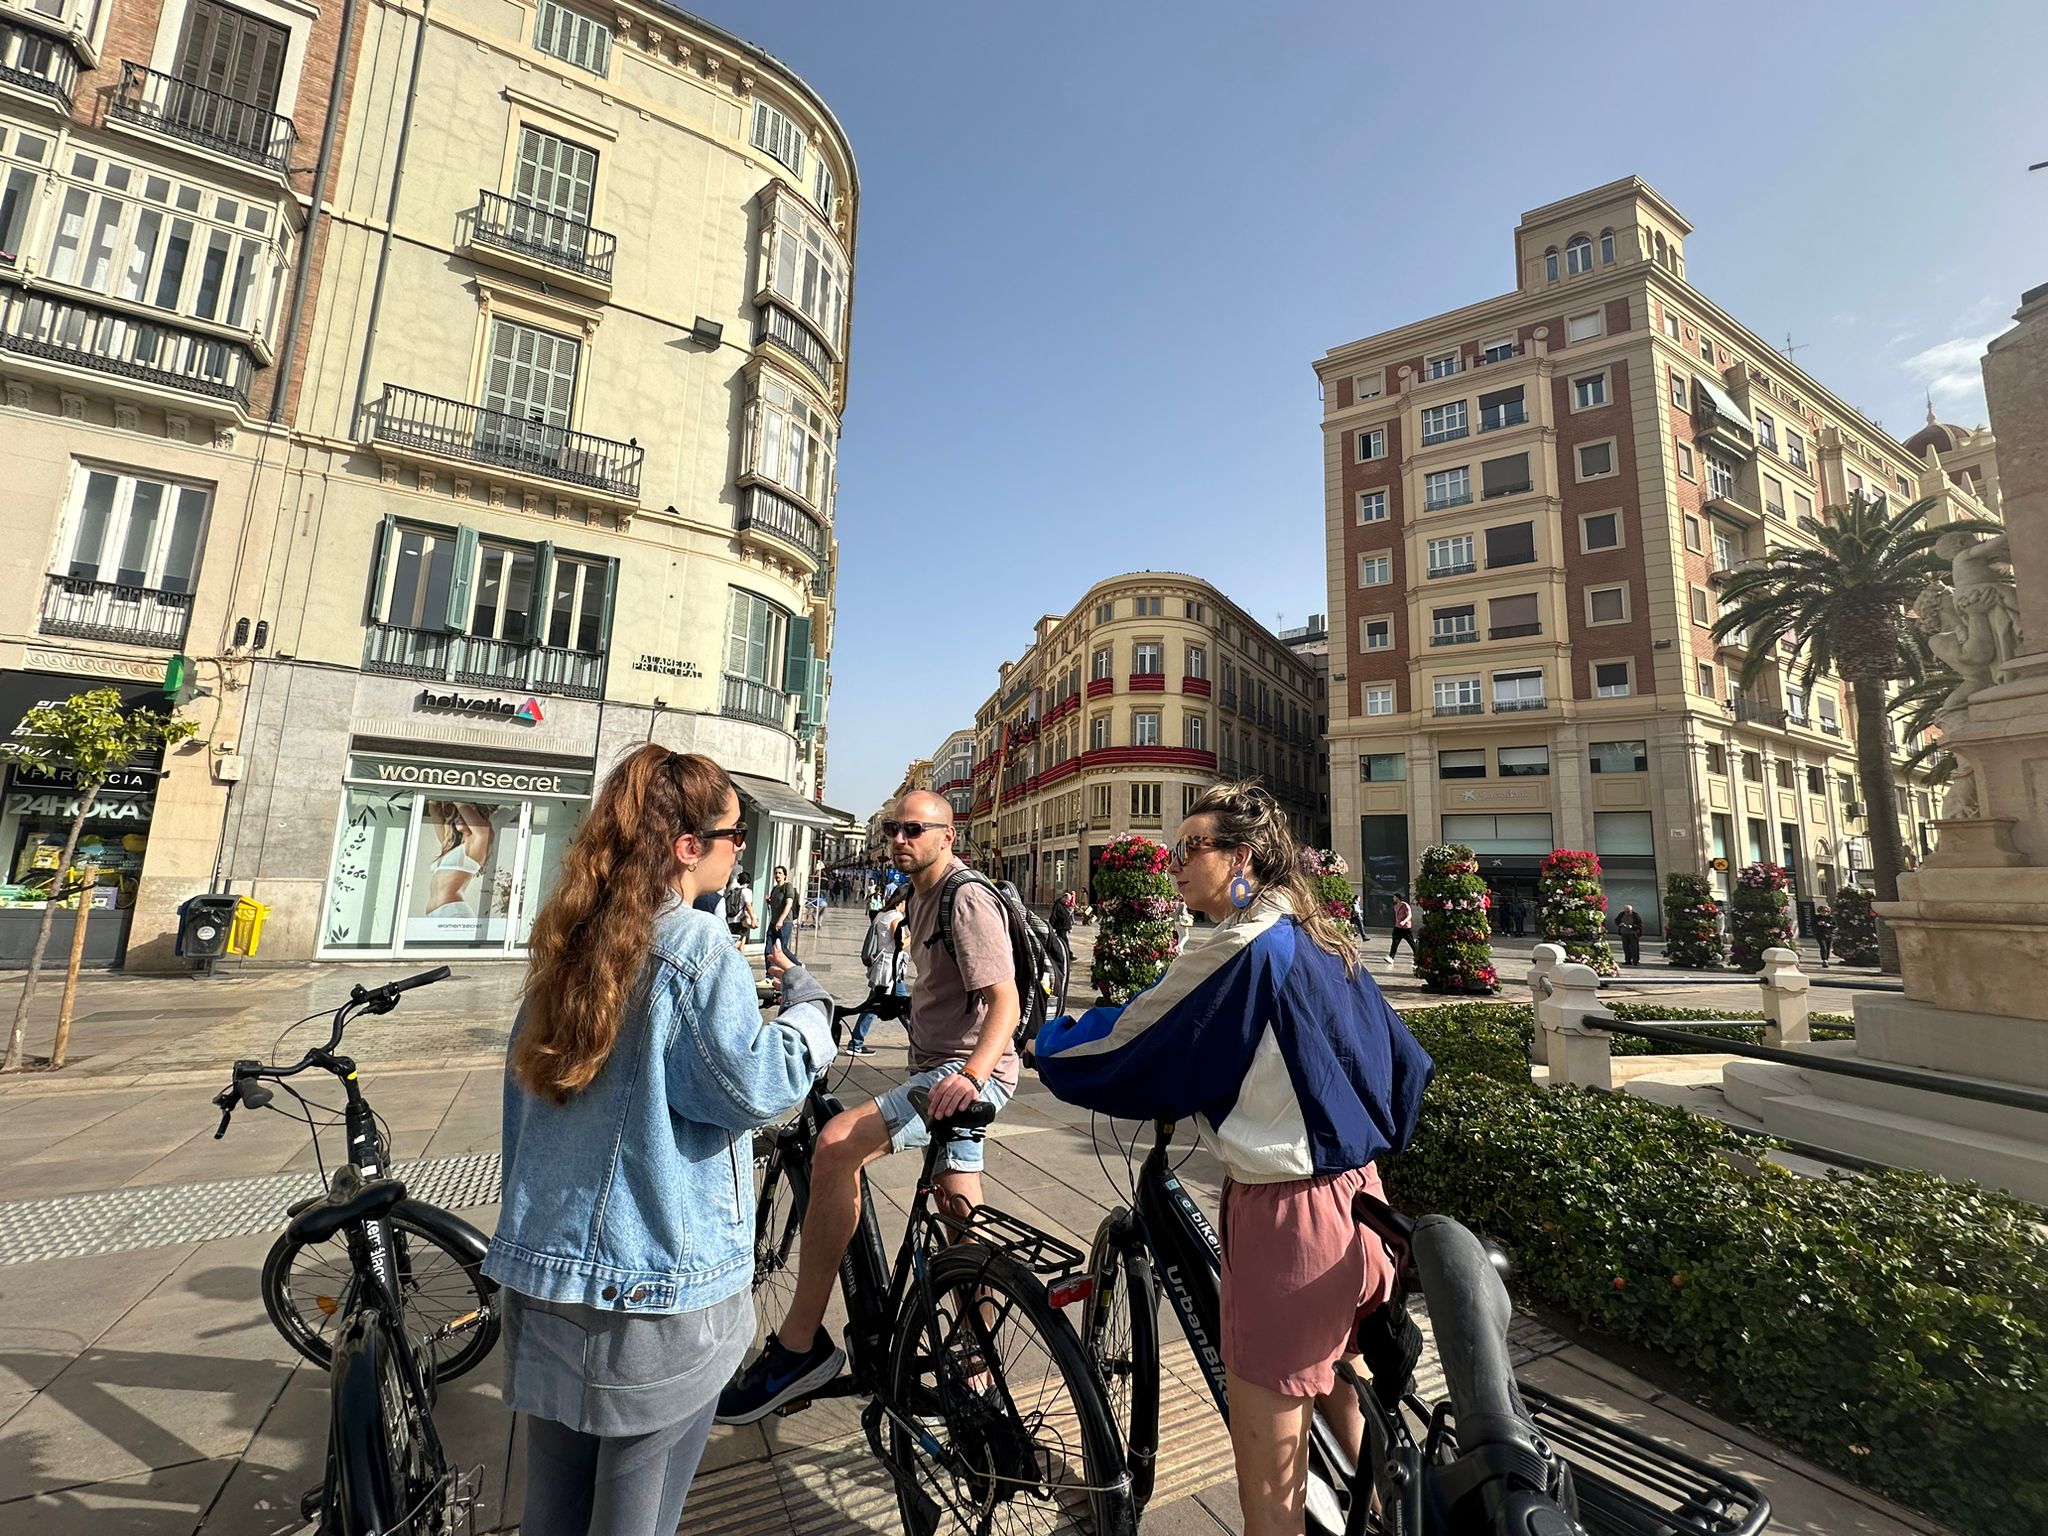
(781, 802)
(841, 819)
(1723, 403)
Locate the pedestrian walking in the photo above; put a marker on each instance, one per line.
(1629, 924)
(739, 908)
(1521, 916)
(885, 952)
(1404, 928)
(782, 914)
(1061, 922)
(1824, 932)
(619, 1333)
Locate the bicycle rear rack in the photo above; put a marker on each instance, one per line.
(1046, 1256)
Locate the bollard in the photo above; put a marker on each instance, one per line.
(1543, 963)
(1578, 1057)
(1786, 1002)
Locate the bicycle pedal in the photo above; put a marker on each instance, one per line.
(784, 1410)
(312, 1501)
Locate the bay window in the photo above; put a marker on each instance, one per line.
(792, 441)
(805, 270)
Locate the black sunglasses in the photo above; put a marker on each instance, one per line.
(738, 834)
(913, 830)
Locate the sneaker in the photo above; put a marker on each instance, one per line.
(777, 1376)
(860, 1050)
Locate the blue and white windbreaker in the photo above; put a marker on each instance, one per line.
(1288, 1067)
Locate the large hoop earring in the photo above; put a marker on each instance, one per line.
(1241, 892)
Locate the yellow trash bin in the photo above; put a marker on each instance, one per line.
(246, 932)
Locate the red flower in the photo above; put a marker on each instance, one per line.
(1620, 1284)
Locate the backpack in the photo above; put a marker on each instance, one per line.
(1034, 975)
(870, 949)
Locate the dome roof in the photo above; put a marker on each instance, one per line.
(1941, 436)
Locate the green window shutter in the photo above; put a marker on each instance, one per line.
(796, 671)
(461, 581)
(814, 692)
(611, 594)
(541, 606)
(387, 551)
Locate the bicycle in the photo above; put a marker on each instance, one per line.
(981, 1401)
(386, 1471)
(1527, 1462)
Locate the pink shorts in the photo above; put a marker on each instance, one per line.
(1298, 1273)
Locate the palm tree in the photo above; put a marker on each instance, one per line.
(1842, 604)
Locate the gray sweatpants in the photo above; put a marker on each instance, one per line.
(610, 1485)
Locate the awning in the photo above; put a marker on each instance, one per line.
(1723, 403)
(781, 802)
(842, 819)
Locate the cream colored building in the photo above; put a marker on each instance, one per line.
(1531, 503)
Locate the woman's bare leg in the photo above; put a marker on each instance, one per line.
(1269, 1439)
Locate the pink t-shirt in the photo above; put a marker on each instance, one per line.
(946, 1015)
(1404, 915)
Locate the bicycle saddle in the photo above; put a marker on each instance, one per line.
(320, 1222)
(972, 1118)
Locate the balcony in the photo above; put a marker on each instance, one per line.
(1749, 712)
(1473, 708)
(745, 699)
(1517, 706)
(1454, 637)
(1228, 699)
(1830, 727)
(763, 512)
(1462, 568)
(799, 341)
(1499, 418)
(534, 236)
(1445, 503)
(38, 63)
(237, 129)
(80, 609)
(407, 420)
(435, 656)
(821, 580)
(1146, 682)
(105, 340)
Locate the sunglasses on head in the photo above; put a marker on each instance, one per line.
(912, 830)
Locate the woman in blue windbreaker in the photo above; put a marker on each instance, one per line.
(1269, 1035)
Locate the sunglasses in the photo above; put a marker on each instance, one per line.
(912, 830)
(1177, 855)
(737, 832)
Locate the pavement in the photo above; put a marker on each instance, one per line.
(142, 1389)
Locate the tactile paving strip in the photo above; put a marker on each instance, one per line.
(124, 1220)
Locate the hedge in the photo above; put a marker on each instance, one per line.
(1893, 1326)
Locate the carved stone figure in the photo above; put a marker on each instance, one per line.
(1961, 803)
(1973, 627)
(1948, 637)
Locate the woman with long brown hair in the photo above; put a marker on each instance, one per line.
(638, 1070)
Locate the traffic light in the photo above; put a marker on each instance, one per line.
(181, 683)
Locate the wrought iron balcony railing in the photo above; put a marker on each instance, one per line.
(770, 513)
(84, 609)
(542, 236)
(36, 61)
(207, 118)
(451, 429)
(746, 699)
(1516, 706)
(1460, 709)
(88, 335)
(437, 657)
(788, 332)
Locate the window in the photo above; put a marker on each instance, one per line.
(1502, 408)
(1606, 247)
(1376, 634)
(1372, 506)
(1497, 351)
(1197, 661)
(1795, 705)
(1795, 449)
(1145, 729)
(1510, 544)
(1774, 495)
(1379, 698)
(1550, 264)
(1692, 533)
(825, 188)
(1578, 256)
(1447, 488)
(1704, 678)
(1145, 802)
(1465, 763)
(1589, 391)
(530, 378)
(1383, 768)
(1600, 530)
(1189, 794)
(1611, 680)
(756, 638)
(1194, 730)
(1368, 386)
(1671, 326)
(1098, 732)
(1512, 618)
(1508, 476)
(1372, 444)
(573, 38)
(1453, 626)
(1523, 762)
(1607, 605)
(1197, 612)
(1102, 664)
(1717, 758)
(1685, 465)
(135, 533)
(780, 135)
(1595, 460)
(1457, 696)
(1105, 613)
(1767, 430)
(1375, 570)
(1706, 348)
(1784, 774)
(1584, 327)
(1802, 506)
(1451, 556)
(1680, 395)
(806, 270)
(557, 177)
(1098, 802)
(1441, 423)
(1148, 659)
(1816, 781)
(792, 440)
(233, 55)
(17, 196)
(1150, 607)
(1619, 757)
(1442, 365)
(1720, 478)
(1753, 767)
(1829, 720)
(1517, 690)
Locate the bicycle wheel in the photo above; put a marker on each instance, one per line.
(995, 1420)
(778, 1234)
(306, 1292)
(388, 1473)
(1120, 1327)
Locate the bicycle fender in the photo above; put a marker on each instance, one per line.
(458, 1234)
(366, 1501)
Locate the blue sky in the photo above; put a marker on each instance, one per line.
(1100, 246)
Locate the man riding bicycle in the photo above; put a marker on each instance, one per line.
(963, 1022)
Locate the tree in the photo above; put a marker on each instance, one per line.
(1573, 908)
(1134, 903)
(1842, 604)
(1761, 914)
(1692, 928)
(90, 736)
(1453, 952)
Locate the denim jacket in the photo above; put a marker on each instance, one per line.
(638, 1194)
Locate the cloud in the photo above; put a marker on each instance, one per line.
(1952, 373)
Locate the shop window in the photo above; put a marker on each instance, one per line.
(1383, 767)
(1619, 757)
(1524, 762)
(1465, 763)
(134, 532)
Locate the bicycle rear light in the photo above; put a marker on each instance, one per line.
(1067, 1292)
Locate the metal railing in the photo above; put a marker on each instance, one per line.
(86, 335)
(1498, 418)
(434, 656)
(105, 610)
(206, 118)
(1515, 706)
(42, 63)
(770, 513)
(1459, 709)
(788, 332)
(1454, 637)
(452, 429)
(1462, 568)
(1758, 714)
(553, 238)
(745, 699)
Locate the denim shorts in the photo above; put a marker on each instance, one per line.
(907, 1130)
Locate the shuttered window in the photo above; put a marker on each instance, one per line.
(233, 54)
(1514, 544)
(756, 634)
(1509, 617)
(555, 174)
(531, 375)
(778, 134)
(572, 37)
(1504, 477)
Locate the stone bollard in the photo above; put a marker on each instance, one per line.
(1578, 1057)
(1786, 1003)
(1543, 963)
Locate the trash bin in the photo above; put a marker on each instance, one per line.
(204, 923)
(246, 931)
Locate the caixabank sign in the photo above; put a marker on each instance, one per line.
(527, 712)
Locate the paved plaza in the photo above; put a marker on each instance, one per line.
(143, 1390)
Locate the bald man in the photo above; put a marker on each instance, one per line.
(963, 1024)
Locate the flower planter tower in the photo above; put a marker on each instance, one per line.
(1574, 908)
(1134, 901)
(1453, 952)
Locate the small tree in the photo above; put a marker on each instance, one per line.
(1134, 906)
(91, 736)
(1574, 908)
(1453, 952)
(1326, 872)
(1855, 925)
(1692, 923)
(1762, 914)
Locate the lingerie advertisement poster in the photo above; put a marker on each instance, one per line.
(462, 874)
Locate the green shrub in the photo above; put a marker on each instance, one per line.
(1692, 927)
(1855, 925)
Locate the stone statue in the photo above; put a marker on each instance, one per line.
(1973, 626)
(1961, 802)
(1948, 637)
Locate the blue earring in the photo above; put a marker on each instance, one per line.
(1241, 892)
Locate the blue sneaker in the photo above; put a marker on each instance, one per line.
(777, 1376)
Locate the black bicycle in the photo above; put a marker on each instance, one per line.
(386, 1471)
(1497, 1458)
(981, 1401)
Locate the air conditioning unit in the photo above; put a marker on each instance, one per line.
(1854, 808)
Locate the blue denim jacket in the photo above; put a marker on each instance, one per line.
(638, 1194)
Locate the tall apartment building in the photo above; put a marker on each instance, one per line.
(953, 774)
(559, 479)
(1148, 690)
(1530, 506)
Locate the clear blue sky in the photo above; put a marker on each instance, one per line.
(1100, 246)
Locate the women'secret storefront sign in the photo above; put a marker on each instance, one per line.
(516, 779)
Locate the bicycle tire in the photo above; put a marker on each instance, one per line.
(1015, 1426)
(779, 1205)
(389, 1473)
(1120, 1327)
(298, 1277)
